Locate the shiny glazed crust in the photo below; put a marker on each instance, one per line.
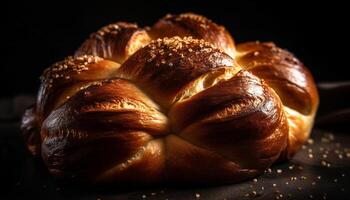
(177, 102)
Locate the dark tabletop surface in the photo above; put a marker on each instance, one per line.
(320, 170)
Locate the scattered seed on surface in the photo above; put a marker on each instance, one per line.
(310, 141)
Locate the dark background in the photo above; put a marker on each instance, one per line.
(41, 33)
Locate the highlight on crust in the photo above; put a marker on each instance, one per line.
(176, 102)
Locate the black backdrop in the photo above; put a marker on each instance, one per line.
(40, 33)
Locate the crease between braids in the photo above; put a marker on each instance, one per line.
(157, 104)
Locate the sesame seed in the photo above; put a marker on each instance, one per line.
(310, 141)
(204, 26)
(65, 68)
(323, 163)
(112, 29)
(176, 45)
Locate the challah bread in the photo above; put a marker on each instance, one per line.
(177, 102)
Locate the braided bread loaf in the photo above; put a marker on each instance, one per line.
(177, 102)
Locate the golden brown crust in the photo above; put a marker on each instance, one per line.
(283, 72)
(241, 116)
(189, 108)
(197, 26)
(166, 65)
(115, 42)
(145, 167)
(64, 78)
(188, 163)
(108, 118)
(293, 83)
